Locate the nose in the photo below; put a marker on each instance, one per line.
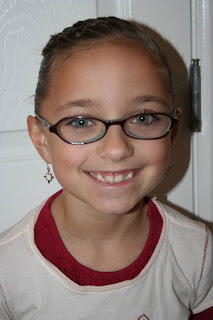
(115, 145)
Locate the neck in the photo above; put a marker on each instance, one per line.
(100, 241)
(85, 224)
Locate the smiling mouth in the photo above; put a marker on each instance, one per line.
(112, 177)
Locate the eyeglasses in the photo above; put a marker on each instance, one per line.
(83, 130)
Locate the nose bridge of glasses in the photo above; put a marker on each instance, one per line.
(119, 122)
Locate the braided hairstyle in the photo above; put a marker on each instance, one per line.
(94, 31)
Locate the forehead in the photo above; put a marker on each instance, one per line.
(114, 73)
(108, 51)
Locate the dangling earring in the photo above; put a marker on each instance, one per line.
(48, 176)
(168, 169)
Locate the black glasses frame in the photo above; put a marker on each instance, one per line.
(54, 128)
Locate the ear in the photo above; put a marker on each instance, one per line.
(175, 129)
(37, 134)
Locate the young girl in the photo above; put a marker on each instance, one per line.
(101, 248)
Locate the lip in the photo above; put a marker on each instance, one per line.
(113, 178)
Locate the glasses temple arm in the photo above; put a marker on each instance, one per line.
(174, 114)
(43, 121)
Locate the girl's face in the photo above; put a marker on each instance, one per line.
(107, 82)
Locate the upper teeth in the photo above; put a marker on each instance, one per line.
(112, 179)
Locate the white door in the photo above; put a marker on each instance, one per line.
(25, 27)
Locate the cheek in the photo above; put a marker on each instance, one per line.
(65, 155)
(158, 152)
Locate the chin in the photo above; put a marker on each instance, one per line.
(117, 207)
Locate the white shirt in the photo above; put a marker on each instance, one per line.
(178, 278)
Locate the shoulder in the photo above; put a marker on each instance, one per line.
(189, 244)
(176, 220)
(187, 240)
(15, 232)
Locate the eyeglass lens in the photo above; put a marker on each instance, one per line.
(84, 130)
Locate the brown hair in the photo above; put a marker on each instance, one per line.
(94, 31)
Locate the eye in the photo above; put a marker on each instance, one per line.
(79, 123)
(144, 119)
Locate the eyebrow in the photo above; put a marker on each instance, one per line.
(141, 99)
(148, 98)
(76, 103)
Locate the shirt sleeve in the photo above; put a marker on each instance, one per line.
(204, 297)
